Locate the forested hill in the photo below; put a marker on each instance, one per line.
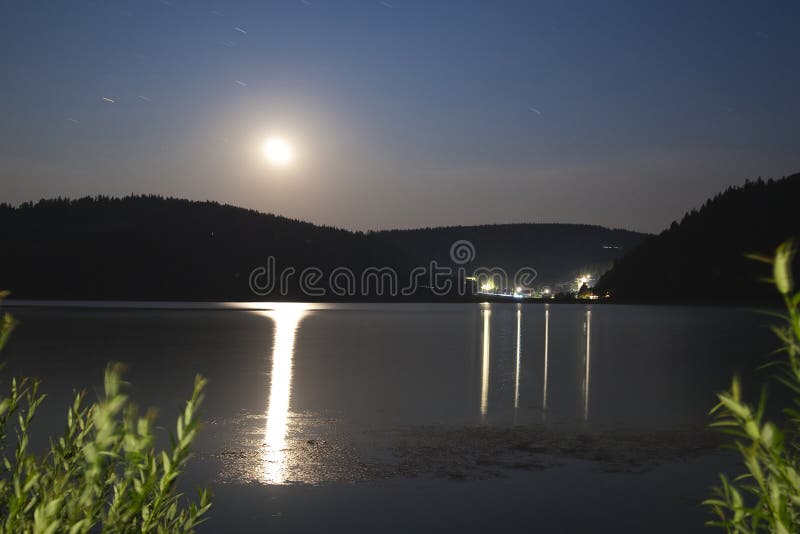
(558, 252)
(702, 257)
(150, 247)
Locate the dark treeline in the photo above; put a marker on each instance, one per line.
(151, 247)
(702, 257)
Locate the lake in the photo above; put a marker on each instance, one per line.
(446, 417)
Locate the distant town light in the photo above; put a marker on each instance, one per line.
(488, 285)
(582, 280)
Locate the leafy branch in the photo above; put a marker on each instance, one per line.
(766, 498)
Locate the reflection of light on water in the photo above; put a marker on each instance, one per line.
(546, 347)
(588, 363)
(516, 373)
(486, 312)
(287, 318)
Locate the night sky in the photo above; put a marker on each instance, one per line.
(402, 113)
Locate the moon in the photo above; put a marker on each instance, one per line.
(278, 151)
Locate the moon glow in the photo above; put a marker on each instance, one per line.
(278, 151)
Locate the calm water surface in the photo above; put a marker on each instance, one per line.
(447, 417)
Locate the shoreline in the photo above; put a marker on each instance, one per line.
(245, 305)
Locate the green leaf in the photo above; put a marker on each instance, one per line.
(782, 268)
(759, 257)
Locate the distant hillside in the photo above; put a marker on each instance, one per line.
(150, 247)
(701, 258)
(558, 252)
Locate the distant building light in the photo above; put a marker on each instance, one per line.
(488, 285)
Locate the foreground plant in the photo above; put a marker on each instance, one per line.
(103, 474)
(766, 498)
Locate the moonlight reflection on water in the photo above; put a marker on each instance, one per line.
(514, 403)
(287, 319)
